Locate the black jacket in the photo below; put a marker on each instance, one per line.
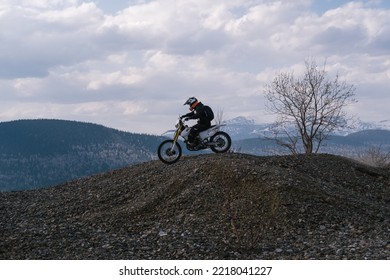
(198, 113)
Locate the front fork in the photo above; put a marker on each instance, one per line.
(176, 137)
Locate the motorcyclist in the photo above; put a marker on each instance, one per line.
(197, 112)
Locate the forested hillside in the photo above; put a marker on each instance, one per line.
(39, 153)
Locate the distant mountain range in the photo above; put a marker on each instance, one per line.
(249, 137)
(354, 145)
(40, 153)
(241, 128)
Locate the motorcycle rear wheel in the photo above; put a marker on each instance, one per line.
(168, 155)
(222, 141)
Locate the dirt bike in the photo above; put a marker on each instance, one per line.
(170, 151)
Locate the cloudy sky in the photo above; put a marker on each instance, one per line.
(131, 64)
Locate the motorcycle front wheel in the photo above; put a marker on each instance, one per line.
(169, 153)
(221, 141)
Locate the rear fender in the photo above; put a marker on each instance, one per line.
(209, 132)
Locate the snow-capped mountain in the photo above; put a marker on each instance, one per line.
(243, 128)
(384, 124)
(360, 125)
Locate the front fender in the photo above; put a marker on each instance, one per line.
(169, 132)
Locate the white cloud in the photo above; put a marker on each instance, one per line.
(35, 40)
(142, 62)
(72, 17)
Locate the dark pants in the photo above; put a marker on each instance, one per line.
(194, 132)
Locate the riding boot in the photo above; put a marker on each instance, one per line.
(192, 139)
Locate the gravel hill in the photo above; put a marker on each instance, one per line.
(230, 206)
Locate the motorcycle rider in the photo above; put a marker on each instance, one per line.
(199, 112)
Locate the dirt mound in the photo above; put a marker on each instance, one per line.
(230, 206)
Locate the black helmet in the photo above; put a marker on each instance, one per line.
(193, 102)
(190, 101)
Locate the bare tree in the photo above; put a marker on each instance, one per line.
(219, 118)
(375, 156)
(308, 108)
